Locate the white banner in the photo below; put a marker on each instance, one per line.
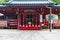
(53, 17)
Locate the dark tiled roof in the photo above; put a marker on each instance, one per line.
(29, 3)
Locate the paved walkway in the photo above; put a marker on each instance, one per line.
(29, 35)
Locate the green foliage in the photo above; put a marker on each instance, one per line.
(57, 1)
(3, 1)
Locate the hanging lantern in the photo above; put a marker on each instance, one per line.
(23, 25)
(26, 25)
(32, 25)
(35, 25)
(38, 25)
(20, 25)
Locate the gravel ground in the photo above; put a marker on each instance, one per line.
(45, 34)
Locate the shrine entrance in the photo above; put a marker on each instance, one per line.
(29, 21)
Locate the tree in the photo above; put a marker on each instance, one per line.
(57, 1)
(3, 1)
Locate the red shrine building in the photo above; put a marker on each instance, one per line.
(29, 15)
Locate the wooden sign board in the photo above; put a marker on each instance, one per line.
(3, 23)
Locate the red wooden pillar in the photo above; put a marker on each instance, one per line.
(36, 20)
(24, 18)
(19, 21)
